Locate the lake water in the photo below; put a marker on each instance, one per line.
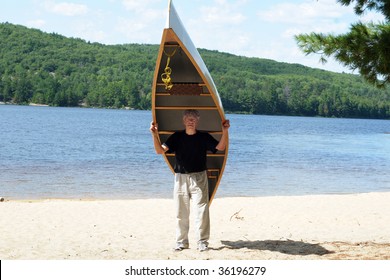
(48, 152)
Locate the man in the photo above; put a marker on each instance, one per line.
(190, 147)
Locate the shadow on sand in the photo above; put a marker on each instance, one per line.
(290, 247)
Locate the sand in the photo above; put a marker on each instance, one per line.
(316, 227)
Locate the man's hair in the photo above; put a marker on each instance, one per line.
(192, 113)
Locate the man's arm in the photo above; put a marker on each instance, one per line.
(160, 149)
(224, 138)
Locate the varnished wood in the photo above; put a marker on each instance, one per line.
(188, 70)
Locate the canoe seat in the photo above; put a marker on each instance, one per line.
(186, 89)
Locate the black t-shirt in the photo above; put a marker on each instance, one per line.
(191, 150)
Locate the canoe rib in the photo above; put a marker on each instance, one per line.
(195, 89)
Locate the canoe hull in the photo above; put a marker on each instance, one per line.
(189, 86)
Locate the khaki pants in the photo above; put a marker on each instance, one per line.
(192, 186)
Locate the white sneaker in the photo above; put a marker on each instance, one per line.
(180, 247)
(202, 247)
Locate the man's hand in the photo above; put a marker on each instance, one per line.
(153, 128)
(223, 141)
(160, 149)
(225, 125)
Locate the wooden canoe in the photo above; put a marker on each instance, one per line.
(182, 81)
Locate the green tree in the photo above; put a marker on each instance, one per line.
(365, 48)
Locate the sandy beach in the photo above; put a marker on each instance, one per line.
(317, 227)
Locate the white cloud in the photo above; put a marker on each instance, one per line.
(66, 8)
(222, 41)
(307, 12)
(140, 24)
(321, 16)
(316, 13)
(218, 26)
(136, 31)
(153, 14)
(222, 13)
(37, 23)
(88, 30)
(130, 26)
(324, 27)
(216, 15)
(138, 5)
(372, 17)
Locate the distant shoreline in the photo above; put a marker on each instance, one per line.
(38, 105)
(81, 106)
(227, 112)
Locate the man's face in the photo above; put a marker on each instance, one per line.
(190, 122)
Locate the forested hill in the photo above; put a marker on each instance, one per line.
(37, 67)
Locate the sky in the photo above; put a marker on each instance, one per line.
(252, 28)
